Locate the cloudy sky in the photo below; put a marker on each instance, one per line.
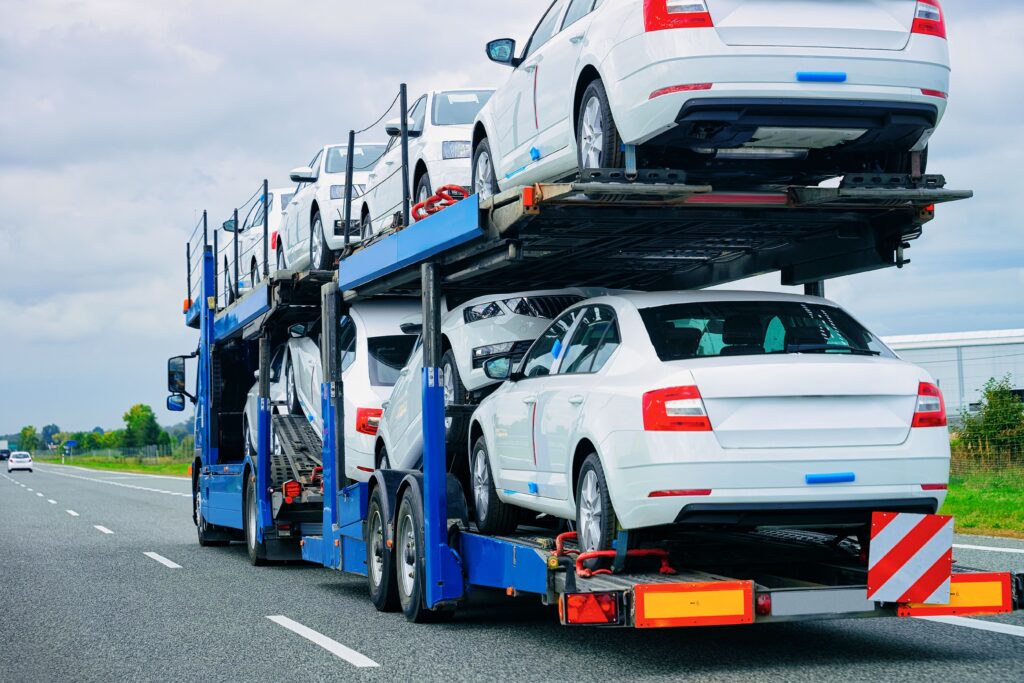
(122, 120)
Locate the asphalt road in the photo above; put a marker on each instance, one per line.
(78, 603)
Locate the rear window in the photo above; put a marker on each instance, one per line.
(388, 355)
(454, 108)
(753, 328)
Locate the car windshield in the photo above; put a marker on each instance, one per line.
(388, 355)
(458, 107)
(364, 157)
(752, 328)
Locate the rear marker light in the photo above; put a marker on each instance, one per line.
(678, 409)
(589, 608)
(763, 604)
(929, 20)
(931, 408)
(934, 93)
(667, 14)
(291, 490)
(368, 420)
(688, 87)
(669, 493)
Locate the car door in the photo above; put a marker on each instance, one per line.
(560, 403)
(515, 412)
(384, 181)
(555, 78)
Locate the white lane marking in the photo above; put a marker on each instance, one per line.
(102, 528)
(334, 647)
(39, 494)
(72, 513)
(162, 560)
(27, 489)
(119, 484)
(51, 501)
(993, 626)
(989, 548)
(120, 475)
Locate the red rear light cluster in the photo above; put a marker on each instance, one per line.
(273, 240)
(368, 420)
(678, 409)
(931, 408)
(929, 19)
(589, 608)
(934, 93)
(688, 87)
(665, 14)
(291, 490)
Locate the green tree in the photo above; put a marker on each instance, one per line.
(140, 427)
(999, 424)
(49, 431)
(28, 439)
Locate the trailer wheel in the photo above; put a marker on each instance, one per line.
(380, 561)
(491, 515)
(409, 561)
(595, 518)
(208, 538)
(257, 550)
(598, 144)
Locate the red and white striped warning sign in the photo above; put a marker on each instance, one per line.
(910, 558)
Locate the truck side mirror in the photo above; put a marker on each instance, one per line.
(176, 403)
(176, 375)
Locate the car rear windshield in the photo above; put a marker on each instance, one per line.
(364, 158)
(388, 355)
(752, 328)
(458, 107)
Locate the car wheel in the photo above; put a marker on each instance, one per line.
(254, 275)
(423, 191)
(365, 225)
(492, 516)
(485, 182)
(383, 462)
(595, 518)
(280, 258)
(409, 562)
(291, 395)
(229, 291)
(380, 561)
(257, 550)
(454, 394)
(320, 255)
(598, 144)
(204, 530)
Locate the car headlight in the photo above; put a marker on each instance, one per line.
(482, 312)
(456, 149)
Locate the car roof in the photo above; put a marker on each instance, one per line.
(500, 296)
(381, 317)
(651, 299)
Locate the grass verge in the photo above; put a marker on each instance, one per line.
(166, 466)
(990, 503)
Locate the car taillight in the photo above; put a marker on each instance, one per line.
(931, 409)
(589, 608)
(291, 490)
(665, 14)
(368, 420)
(678, 409)
(929, 19)
(273, 240)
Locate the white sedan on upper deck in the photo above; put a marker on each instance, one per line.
(730, 91)
(707, 408)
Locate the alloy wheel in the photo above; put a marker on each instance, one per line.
(590, 513)
(481, 483)
(484, 180)
(592, 134)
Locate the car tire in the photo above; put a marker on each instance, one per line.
(492, 516)
(254, 275)
(383, 461)
(291, 392)
(595, 518)
(320, 255)
(455, 393)
(484, 177)
(423, 190)
(257, 550)
(281, 265)
(229, 291)
(410, 567)
(380, 560)
(598, 144)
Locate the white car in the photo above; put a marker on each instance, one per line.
(494, 326)
(707, 408)
(374, 350)
(730, 91)
(313, 221)
(250, 242)
(19, 460)
(440, 126)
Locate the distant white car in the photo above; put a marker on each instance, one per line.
(374, 350)
(727, 90)
(19, 460)
(312, 229)
(250, 242)
(440, 127)
(493, 326)
(707, 408)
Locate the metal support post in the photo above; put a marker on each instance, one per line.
(403, 103)
(631, 172)
(814, 288)
(234, 248)
(188, 271)
(262, 456)
(216, 255)
(266, 229)
(334, 393)
(206, 236)
(206, 429)
(348, 183)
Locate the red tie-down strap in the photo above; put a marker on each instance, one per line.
(561, 550)
(442, 199)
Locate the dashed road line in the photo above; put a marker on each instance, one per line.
(993, 626)
(51, 501)
(102, 529)
(72, 513)
(334, 647)
(162, 560)
(39, 494)
(989, 548)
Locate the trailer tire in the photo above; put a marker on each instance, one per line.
(257, 550)
(380, 561)
(410, 564)
(595, 517)
(492, 516)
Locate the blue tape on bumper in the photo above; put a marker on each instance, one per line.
(831, 478)
(821, 76)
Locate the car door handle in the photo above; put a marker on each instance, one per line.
(576, 400)
(389, 163)
(576, 40)
(530, 400)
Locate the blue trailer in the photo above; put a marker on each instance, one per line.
(292, 501)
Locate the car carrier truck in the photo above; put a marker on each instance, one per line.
(408, 531)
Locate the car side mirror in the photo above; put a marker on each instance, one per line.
(302, 174)
(230, 225)
(502, 51)
(176, 375)
(393, 127)
(296, 331)
(176, 403)
(499, 368)
(412, 328)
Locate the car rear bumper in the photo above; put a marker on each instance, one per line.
(820, 513)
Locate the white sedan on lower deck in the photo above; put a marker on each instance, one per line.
(707, 408)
